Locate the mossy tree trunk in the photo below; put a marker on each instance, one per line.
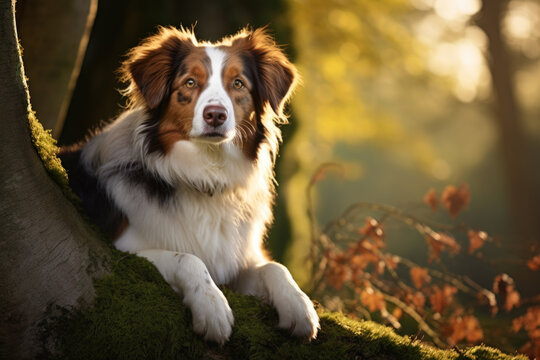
(44, 243)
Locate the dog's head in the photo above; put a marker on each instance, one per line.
(208, 92)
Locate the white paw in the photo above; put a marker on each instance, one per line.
(212, 316)
(297, 314)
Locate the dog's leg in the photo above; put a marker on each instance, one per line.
(186, 273)
(273, 282)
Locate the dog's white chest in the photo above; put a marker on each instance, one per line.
(214, 228)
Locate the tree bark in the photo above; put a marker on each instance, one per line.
(515, 148)
(44, 243)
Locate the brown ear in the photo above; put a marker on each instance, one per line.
(151, 66)
(274, 75)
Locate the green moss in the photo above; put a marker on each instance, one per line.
(136, 315)
(46, 148)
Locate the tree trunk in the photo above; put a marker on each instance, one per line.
(515, 149)
(44, 243)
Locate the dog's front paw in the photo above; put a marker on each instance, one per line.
(212, 316)
(297, 314)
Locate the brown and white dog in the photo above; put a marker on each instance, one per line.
(185, 178)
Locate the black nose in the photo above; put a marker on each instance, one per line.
(214, 115)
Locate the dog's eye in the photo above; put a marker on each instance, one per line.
(190, 83)
(238, 84)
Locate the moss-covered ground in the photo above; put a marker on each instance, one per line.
(136, 315)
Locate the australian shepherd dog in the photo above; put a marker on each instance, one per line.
(185, 176)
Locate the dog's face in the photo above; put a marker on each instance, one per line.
(210, 93)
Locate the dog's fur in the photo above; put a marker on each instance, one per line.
(184, 177)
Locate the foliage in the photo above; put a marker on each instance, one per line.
(354, 273)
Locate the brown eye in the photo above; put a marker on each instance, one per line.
(238, 84)
(190, 83)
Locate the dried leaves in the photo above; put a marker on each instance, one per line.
(456, 199)
(373, 300)
(453, 199)
(441, 298)
(419, 276)
(534, 263)
(476, 240)
(372, 229)
(530, 322)
(438, 242)
(431, 199)
(417, 300)
(349, 265)
(355, 263)
(460, 328)
(503, 285)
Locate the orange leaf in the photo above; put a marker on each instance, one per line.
(534, 263)
(417, 299)
(454, 199)
(504, 286)
(438, 242)
(476, 240)
(511, 301)
(517, 324)
(441, 298)
(431, 199)
(336, 271)
(531, 323)
(373, 300)
(392, 261)
(461, 328)
(450, 243)
(472, 329)
(419, 276)
(397, 313)
(373, 229)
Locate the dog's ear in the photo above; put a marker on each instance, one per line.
(151, 66)
(274, 75)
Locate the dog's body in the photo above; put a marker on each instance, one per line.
(185, 177)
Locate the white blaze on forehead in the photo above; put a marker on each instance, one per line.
(214, 93)
(217, 60)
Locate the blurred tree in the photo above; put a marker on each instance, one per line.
(515, 145)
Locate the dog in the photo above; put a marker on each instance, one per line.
(184, 177)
